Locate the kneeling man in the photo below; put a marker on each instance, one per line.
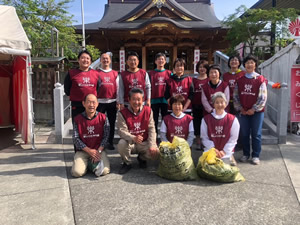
(137, 131)
(90, 135)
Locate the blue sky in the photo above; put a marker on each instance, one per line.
(93, 9)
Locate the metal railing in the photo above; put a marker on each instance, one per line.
(60, 117)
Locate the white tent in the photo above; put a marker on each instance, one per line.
(15, 75)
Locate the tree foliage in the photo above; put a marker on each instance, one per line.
(94, 51)
(245, 25)
(38, 17)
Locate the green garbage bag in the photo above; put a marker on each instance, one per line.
(213, 168)
(176, 162)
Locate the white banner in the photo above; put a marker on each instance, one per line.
(196, 58)
(122, 60)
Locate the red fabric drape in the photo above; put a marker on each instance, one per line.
(20, 96)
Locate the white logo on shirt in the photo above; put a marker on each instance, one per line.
(160, 79)
(135, 82)
(90, 129)
(179, 89)
(178, 129)
(137, 126)
(106, 79)
(231, 83)
(219, 129)
(248, 87)
(86, 80)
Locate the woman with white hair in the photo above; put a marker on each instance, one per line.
(220, 130)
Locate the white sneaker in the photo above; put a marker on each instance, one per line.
(255, 160)
(244, 159)
(232, 161)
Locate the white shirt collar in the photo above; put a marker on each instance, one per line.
(179, 117)
(218, 117)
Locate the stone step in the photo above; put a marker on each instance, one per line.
(267, 139)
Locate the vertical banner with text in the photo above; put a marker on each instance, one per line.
(295, 93)
(122, 60)
(196, 58)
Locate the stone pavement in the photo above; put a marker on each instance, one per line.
(36, 188)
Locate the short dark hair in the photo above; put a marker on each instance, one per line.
(177, 98)
(132, 53)
(205, 65)
(215, 67)
(86, 52)
(232, 57)
(250, 57)
(85, 97)
(180, 60)
(135, 91)
(159, 55)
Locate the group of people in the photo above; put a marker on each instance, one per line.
(214, 110)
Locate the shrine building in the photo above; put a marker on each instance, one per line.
(178, 28)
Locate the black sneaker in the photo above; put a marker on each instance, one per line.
(142, 163)
(124, 169)
(110, 147)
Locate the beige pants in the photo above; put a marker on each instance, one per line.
(80, 164)
(125, 149)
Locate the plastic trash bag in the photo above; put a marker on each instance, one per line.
(176, 162)
(96, 168)
(213, 168)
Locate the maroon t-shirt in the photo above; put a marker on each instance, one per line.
(181, 87)
(198, 90)
(108, 87)
(209, 92)
(91, 131)
(83, 83)
(138, 124)
(218, 130)
(134, 80)
(248, 91)
(231, 80)
(158, 82)
(177, 127)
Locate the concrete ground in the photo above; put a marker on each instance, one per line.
(36, 188)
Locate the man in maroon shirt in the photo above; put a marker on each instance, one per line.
(137, 132)
(90, 134)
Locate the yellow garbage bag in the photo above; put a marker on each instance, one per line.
(176, 162)
(213, 168)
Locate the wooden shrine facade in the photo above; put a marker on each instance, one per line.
(181, 28)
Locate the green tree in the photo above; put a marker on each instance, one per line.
(38, 17)
(246, 25)
(94, 51)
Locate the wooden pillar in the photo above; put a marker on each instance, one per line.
(174, 56)
(144, 58)
(174, 52)
(210, 61)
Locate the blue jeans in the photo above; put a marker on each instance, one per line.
(251, 125)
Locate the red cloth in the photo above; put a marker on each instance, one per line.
(181, 87)
(209, 92)
(177, 127)
(20, 96)
(91, 131)
(218, 130)
(138, 124)
(108, 87)
(248, 91)
(83, 83)
(198, 90)
(231, 80)
(134, 80)
(158, 82)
